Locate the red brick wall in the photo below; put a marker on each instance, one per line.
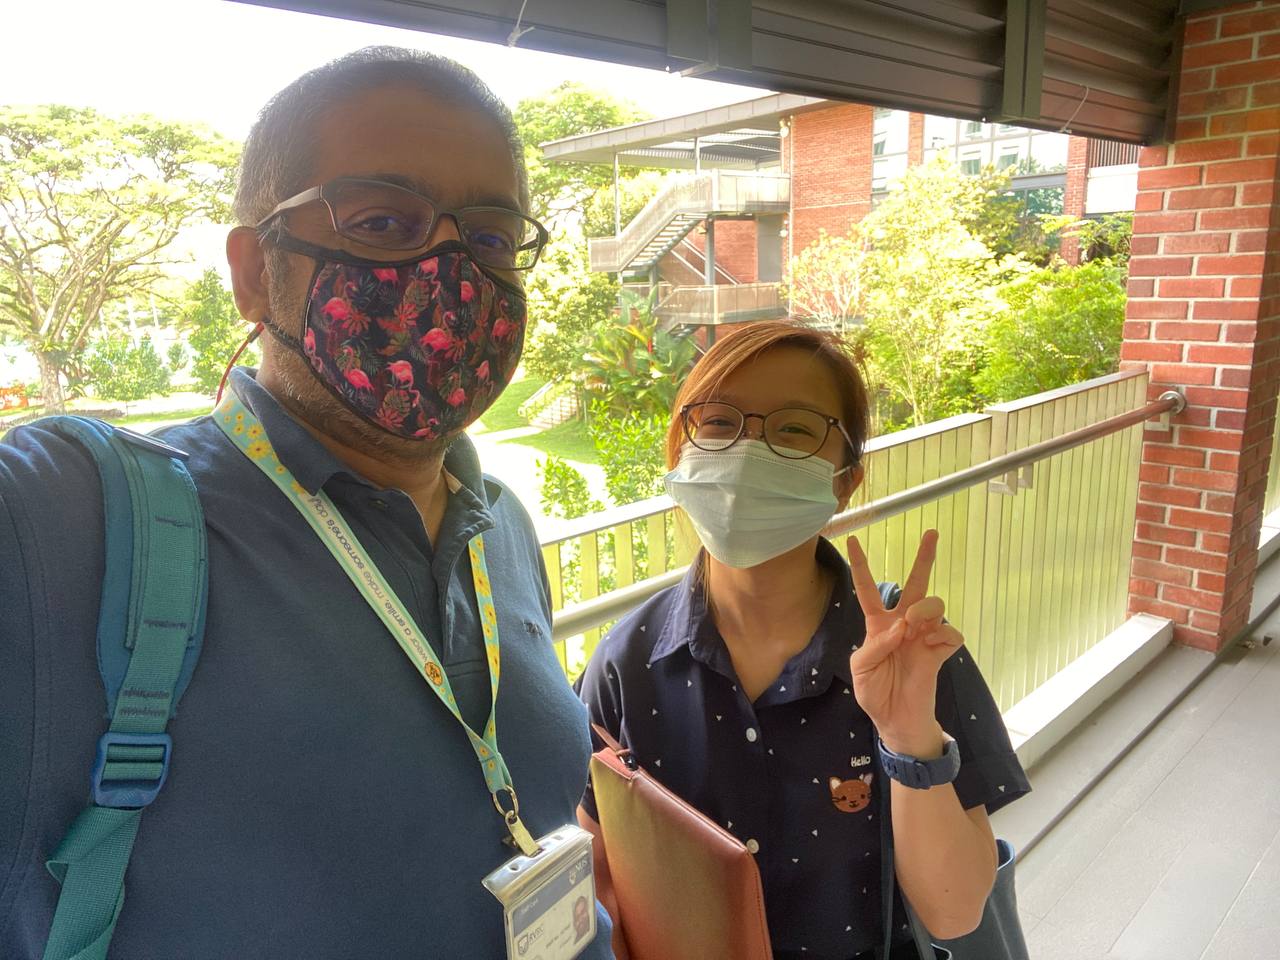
(1074, 192)
(915, 139)
(831, 179)
(1204, 314)
(735, 248)
(673, 271)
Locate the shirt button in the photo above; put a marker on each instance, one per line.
(752, 846)
(752, 736)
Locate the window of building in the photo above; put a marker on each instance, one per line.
(882, 113)
(971, 166)
(877, 145)
(1007, 160)
(972, 129)
(1008, 128)
(1049, 150)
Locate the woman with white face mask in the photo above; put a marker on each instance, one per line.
(775, 684)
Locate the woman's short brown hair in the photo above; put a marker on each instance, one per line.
(744, 344)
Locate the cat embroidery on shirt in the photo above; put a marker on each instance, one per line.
(850, 796)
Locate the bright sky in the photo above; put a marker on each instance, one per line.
(217, 61)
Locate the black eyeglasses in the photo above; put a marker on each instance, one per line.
(791, 432)
(381, 216)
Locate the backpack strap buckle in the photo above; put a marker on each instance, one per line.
(130, 768)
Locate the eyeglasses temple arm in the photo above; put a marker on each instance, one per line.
(296, 201)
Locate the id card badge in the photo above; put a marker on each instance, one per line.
(548, 900)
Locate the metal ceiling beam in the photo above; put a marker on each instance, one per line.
(710, 33)
(1199, 6)
(1024, 43)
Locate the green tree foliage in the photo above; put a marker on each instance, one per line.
(1016, 222)
(634, 192)
(1108, 238)
(932, 284)
(121, 370)
(1060, 326)
(632, 451)
(556, 189)
(568, 304)
(214, 330)
(826, 280)
(955, 313)
(89, 206)
(635, 367)
(565, 492)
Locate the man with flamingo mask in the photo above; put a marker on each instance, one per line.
(337, 759)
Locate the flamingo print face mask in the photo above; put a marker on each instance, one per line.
(421, 347)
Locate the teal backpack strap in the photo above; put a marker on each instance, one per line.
(150, 628)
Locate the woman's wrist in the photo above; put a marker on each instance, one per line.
(923, 743)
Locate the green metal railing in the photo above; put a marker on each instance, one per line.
(1033, 559)
(606, 553)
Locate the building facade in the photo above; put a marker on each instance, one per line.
(753, 184)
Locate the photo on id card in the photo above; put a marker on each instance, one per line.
(549, 900)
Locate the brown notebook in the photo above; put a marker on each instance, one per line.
(686, 888)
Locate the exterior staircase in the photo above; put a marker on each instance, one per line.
(689, 259)
(543, 410)
(668, 218)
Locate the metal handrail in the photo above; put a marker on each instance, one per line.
(699, 195)
(710, 304)
(584, 616)
(692, 193)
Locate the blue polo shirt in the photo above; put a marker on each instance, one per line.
(321, 803)
(784, 774)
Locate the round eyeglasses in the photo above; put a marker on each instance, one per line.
(791, 432)
(380, 216)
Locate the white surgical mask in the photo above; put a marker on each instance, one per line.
(748, 504)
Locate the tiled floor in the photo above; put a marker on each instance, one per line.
(1175, 854)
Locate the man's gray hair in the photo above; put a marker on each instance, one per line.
(277, 153)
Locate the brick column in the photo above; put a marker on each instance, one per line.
(831, 174)
(1074, 192)
(915, 139)
(1204, 314)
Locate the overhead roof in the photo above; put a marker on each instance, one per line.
(739, 135)
(1100, 68)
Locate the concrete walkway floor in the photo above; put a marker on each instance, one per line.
(1175, 853)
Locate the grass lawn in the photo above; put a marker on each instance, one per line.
(181, 413)
(19, 413)
(504, 414)
(569, 440)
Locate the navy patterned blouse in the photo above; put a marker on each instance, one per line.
(791, 774)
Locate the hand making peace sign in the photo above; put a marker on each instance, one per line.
(895, 671)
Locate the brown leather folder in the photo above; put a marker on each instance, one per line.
(686, 888)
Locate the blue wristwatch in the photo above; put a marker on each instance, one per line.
(921, 774)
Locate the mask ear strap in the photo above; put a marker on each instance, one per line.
(253, 335)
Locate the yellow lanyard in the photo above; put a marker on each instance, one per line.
(247, 433)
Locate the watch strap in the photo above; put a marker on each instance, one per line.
(921, 774)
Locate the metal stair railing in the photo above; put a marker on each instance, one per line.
(692, 195)
(669, 216)
(686, 243)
